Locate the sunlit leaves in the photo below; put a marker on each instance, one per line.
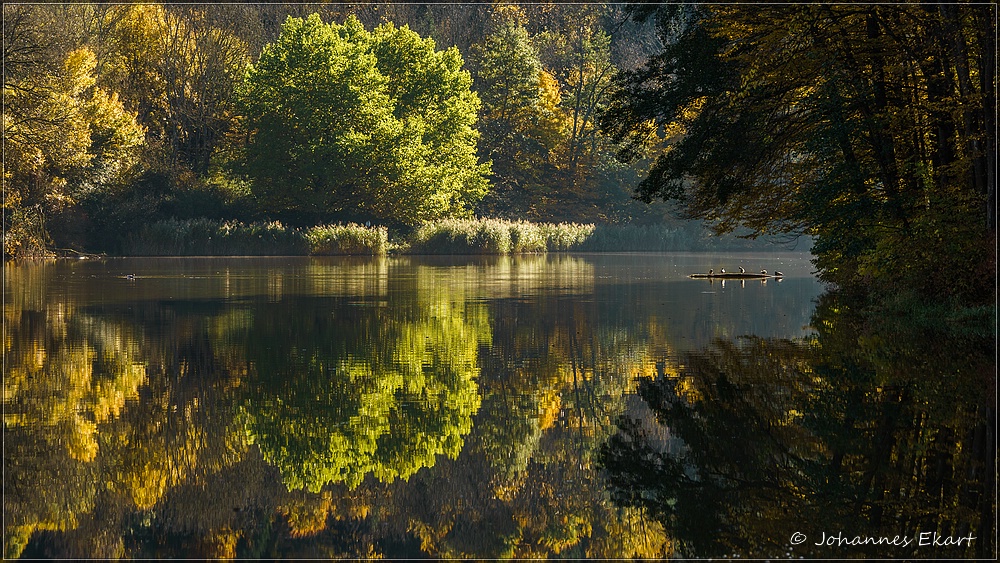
(63, 136)
(376, 123)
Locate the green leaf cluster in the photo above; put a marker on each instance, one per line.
(341, 120)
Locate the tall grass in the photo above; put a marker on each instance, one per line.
(562, 237)
(495, 236)
(207, 237)
(328, 240)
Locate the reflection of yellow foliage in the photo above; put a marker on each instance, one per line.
(645, 370)
(566, 533)
(508, 489)
(307, 513)
(688, 390)
(15, 540)
(82, 443)
(146, 486)
(633, 535)
(220, 544)
(429, 538)
(61, 390)
(358, 511)
(548, 409)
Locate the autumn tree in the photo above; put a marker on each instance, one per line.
(64, 136)
(520, 120)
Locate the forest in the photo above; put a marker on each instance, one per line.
(245, 120)
(337, 129)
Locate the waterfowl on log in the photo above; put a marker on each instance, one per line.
(778, 274)
(763, 272)
(711, 271)
(723, 270)
(742, 271)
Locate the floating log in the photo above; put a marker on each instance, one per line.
(732, 276)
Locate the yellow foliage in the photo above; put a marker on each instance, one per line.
(79, 68)
(552, 122)
(307, 513)
(511, 14)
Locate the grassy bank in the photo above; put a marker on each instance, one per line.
(204, 237)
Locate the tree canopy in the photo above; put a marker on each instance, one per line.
(864, 125)
(377, 124)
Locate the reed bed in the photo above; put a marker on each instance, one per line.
(350, 239)
(207, 237)
(495, 236)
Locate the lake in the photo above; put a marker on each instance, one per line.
(556, 405)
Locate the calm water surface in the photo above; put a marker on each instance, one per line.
(540, 406)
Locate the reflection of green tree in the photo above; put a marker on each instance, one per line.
(770, 437)
(347, 391)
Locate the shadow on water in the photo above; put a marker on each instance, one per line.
(874, 438)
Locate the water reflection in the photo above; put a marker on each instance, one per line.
(852, 444)
(447, 407)
(339, 391)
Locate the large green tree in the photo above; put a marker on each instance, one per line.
(346, 123)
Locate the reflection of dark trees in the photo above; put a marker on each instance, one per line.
(739, 457)
(555, 372)
(881, 427)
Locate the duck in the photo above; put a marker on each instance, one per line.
(723, 270)
(778, 274)
(711, 271)
(130, 277)
(742, 271)
(763, 272)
